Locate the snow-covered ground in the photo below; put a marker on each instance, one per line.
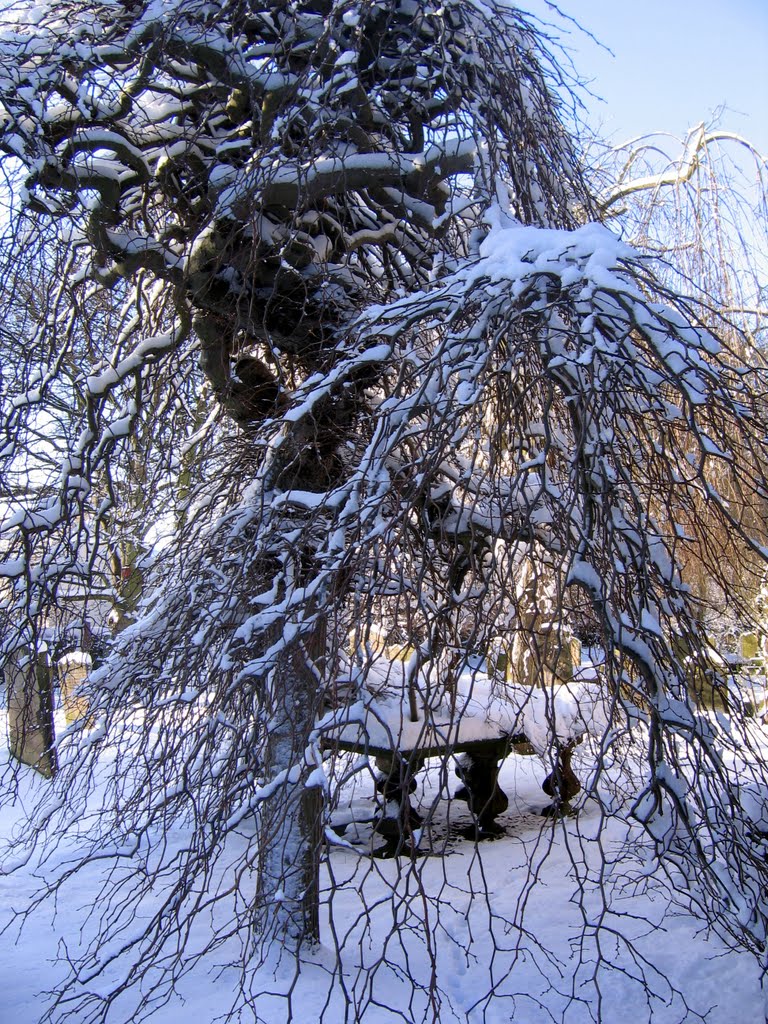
(486, 969)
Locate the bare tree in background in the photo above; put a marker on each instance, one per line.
(368, 357)
(698, 204)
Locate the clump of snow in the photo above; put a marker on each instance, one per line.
(75, 659)
(754, 802)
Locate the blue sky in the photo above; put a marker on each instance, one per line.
(674, 62)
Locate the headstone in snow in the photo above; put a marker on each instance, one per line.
(72, 671)
(702, 669)
(542, 652)
(749, 645)
(30, 711)
(378, 640)
(498, 658)
(568, 660)
(542, 656)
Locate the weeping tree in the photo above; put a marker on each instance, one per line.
(370, 360)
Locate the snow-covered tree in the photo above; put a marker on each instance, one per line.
(329, 276)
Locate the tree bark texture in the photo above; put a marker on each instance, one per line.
(288, 895)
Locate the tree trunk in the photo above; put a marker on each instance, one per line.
(291, 817)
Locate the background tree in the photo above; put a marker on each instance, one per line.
(698, 204)
(365, 223)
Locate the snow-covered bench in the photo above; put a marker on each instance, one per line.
(482, 719)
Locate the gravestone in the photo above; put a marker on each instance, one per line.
(752, 679)
(749, 646)
(704, 674)
(72, 671)
(542, 652)
(498, 658)
(30, 711)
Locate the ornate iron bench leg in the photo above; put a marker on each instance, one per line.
(561, 784)
(397, 818)
(481, 791)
